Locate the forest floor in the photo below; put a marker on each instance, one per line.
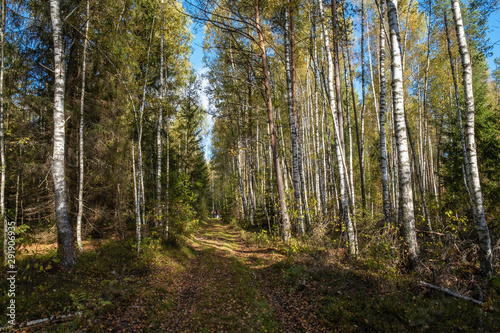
(221, 282)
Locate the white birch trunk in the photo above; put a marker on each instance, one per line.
(339, 149)
(485, 253)
(395, 170)
(406, 211)
(313, 126)
(383, 144)
(349, 128)
(372, 77)
(363, 110)
(66, 236)
(167, 181)
(432, 173)
(240, 180)
(319, 151)
(137, 201)
(423, 141)
(459, 112)
(293, 128)
(159, 128)
(80, 143)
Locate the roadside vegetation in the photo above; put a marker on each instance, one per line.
(221, 277)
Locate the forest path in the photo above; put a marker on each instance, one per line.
(231, 286)
(218, 291)
(218, 282)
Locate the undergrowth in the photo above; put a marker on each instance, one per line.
(102, 280)
(313, 276)
(376, 292)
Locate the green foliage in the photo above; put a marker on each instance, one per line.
(496, 72)
(487, 132)
(488, 143)
(188, 193)
(117, 65)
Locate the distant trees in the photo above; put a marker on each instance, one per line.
(189, 173)
(403, 180)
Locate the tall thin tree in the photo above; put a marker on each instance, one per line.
(159, 127)
(406, 210)
(285, 220)
(80, 139)
(383, 144)
(339, 148)
(66, 236)
(459, 109)
(361, 146)
(297, 190)
(485, 252)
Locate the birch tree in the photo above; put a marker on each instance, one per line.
(485, 253)
(339, 148)
(285, 220)
(80, 138)
(383, 144)
(159, 127)
(459, 109)
(58, 157)
(406, 211)
(292, 117)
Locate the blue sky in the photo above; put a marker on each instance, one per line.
(197, 62)
(197, 56)
(494, 36)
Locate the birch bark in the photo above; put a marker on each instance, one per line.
(406, 210)
(137, 200)
(339, 148)
(293, 128)
(361, 147)
(485, 252)
(66, 236)
(80, 143)
(459, 111)
(383, 144)
(159, 127)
